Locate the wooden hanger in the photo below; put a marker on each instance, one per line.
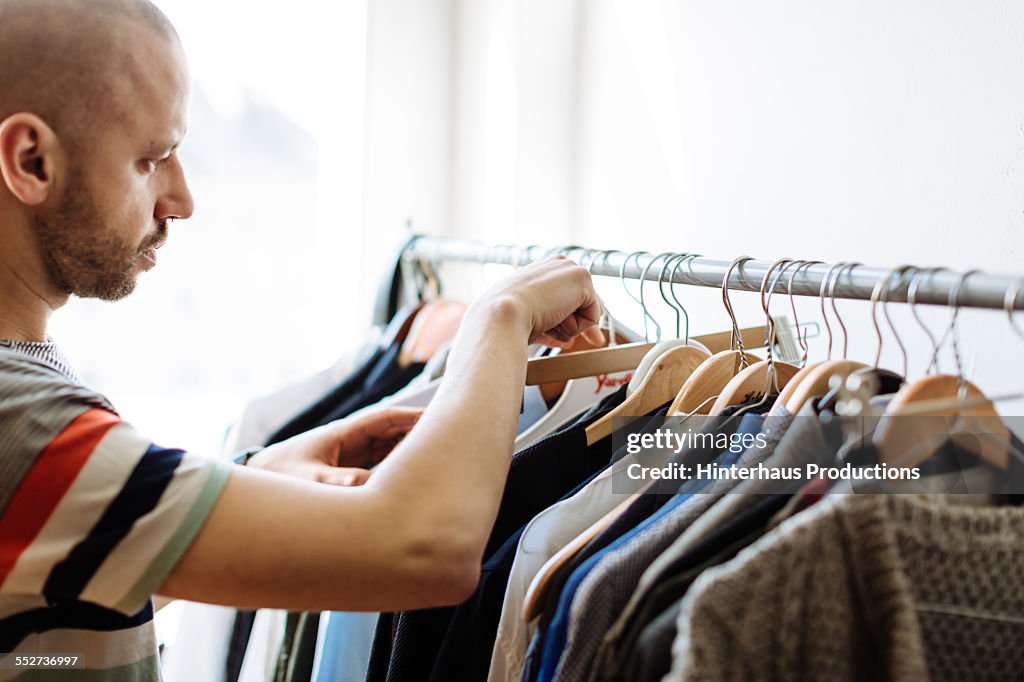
(652, 356)
(619, 358)
(816, 383)
(399, 326)
(533, 603)
(707, 382)
(790, 388)
(574, 396)
(751, 383)
(907, 441)
(680, 339)
(730, 371)
(814, 380)
(658, 387)
(435, 325)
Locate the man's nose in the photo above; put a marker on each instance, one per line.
(176, 201)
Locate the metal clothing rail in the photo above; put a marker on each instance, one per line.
(938, 286)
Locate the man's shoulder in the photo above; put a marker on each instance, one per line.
(25, 378)
(37, 402)
(36, 396)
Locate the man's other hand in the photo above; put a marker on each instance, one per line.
(342, 452)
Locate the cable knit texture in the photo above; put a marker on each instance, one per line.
(864, 587)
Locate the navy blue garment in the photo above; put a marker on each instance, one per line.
(377, 378)
(465, 652)
(407, 644)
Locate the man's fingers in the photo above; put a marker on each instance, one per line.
(393, 417)
(594, 335)
(343, 476)
(550, 342)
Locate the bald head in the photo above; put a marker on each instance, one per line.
(69, 61)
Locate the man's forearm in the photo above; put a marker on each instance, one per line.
(453, 465)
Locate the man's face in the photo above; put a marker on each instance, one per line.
(123, 184)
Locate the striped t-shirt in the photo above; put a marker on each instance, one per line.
(93, 517)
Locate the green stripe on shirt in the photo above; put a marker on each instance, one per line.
(164, 562)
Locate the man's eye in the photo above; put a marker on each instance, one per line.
(152, 164)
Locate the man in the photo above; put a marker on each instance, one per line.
(94, 518)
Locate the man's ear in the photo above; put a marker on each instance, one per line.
(28, 156)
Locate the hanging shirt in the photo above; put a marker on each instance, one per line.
(93, 517)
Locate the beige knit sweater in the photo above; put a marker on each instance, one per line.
(864, 587)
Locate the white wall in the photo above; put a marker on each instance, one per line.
(408, 132)
(885, 133)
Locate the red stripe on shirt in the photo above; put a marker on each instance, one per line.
(47, 481)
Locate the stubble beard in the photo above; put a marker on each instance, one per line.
(79, 258)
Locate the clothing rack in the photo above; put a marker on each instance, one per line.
(937, 286)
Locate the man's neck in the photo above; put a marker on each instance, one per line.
(11, 330)
(24, 312)
(27, 295)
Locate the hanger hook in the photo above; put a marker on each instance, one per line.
(594, 254)
(954, 302)
(568, 249)
(605, 320)
(885, 311)
(1009, 304)
(643, 278)
(915, 280)
(660, 287)
(766, 291)
(772, 377)
(687, 258)
(875, 295)
(622, 280)
(797, 263)
(889, 320)
(586, 257)
(801, 339)
(765, 298)
(737, 337)
(821, 300)
(832, 296)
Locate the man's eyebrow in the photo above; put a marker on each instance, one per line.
(162, 148)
